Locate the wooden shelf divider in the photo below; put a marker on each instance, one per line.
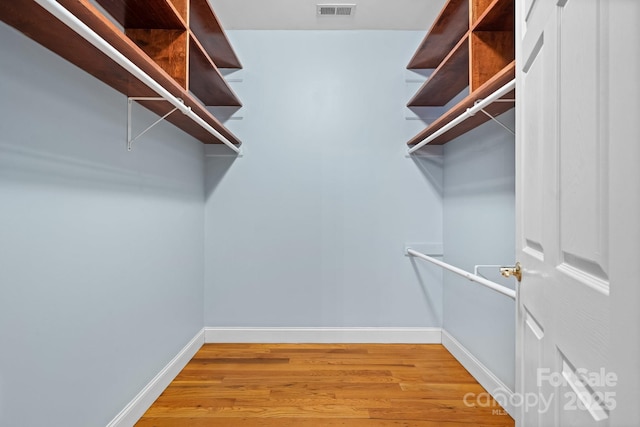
(477, 9)
(445, 33)
(181, 52)
(482, 60)
(499, 16)
(205, 26)
(161, 14)
(205, 81)
(448, 80)
(167, 48)
(491, 51)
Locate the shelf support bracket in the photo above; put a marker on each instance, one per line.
(130, 139)
(505, 127)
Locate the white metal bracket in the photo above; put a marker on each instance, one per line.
(476, 268)
(496, 120)
(130, 139)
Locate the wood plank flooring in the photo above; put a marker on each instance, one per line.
(303, 385)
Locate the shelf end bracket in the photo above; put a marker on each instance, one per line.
(131, 139)
(491, 116)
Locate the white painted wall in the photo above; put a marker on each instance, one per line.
(101, 250)
(479, 228)
(308, 228)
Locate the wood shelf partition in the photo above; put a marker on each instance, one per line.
(491, 51)
(500, 79)
(196, 71)
(38, 24)
(159, 14)
(499, 16)
(205, 81)
(448, 80)
(482, 59)
(205, 26)
(477, 9)
(445, 33)
(167, 48)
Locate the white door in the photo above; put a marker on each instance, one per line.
(578, 210)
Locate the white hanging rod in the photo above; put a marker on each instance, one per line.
(468, 113)
(92, 37)
(474, 278)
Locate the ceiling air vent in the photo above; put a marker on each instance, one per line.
(336, 9)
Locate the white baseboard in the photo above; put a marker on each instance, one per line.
(323, 335)
(139, 405)
(480, 372)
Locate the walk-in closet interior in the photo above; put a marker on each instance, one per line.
(173, 174)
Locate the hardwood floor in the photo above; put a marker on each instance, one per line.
(305, 385)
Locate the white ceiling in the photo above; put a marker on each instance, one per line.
(301, 14)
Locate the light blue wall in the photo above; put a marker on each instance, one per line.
(101, 250)
(479, 228)
(308, 228)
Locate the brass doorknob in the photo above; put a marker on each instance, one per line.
(515, 271)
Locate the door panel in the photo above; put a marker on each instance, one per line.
(581, 279)
(563, 209)
(533, 88)
(578, 407)
(532, 345)
(583, 156)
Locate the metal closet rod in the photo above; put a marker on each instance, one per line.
(474, 278)
(464, 116)
(92, 37)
